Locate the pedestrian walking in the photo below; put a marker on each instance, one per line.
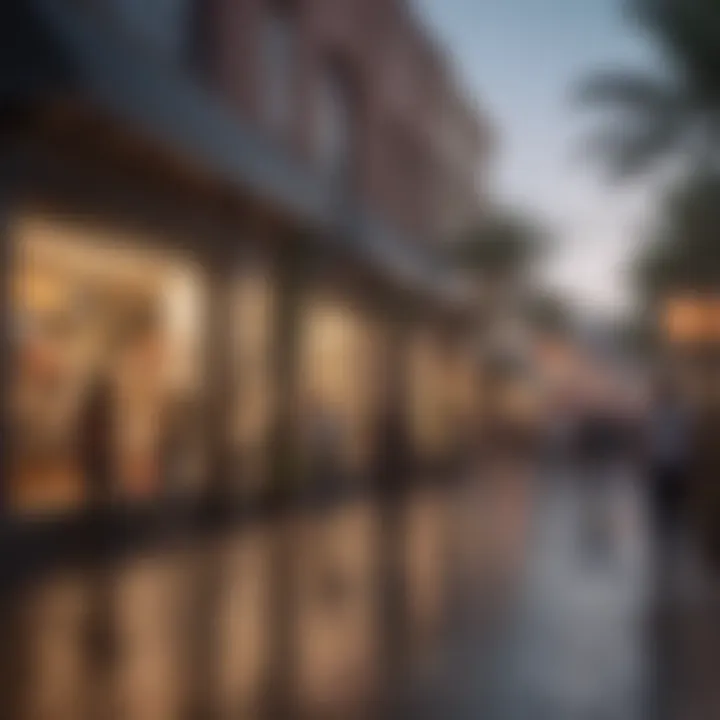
(668, 455)
(668, 459)
(595, 471)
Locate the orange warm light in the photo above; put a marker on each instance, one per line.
(692, 319)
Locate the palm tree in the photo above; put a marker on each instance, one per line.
(681, 255)
(674, 111)
(498, 254)
(684, 249)
(503, 245)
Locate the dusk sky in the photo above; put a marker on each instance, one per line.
(521, 60)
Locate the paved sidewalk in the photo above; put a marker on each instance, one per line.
(572, 645)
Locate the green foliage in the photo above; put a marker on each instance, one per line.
(504, 244)
(684, 249)
(673, 113)
(670, 114)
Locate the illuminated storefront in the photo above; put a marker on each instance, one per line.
(690, 326)
(691, 319)
(109, 389)
(107, 376)
(253, 335)
(463, 392)
(152, 248)
(339, 370)
(429, 410)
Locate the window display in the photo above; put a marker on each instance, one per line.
(107, 374)
(462, 390)
(429, 419)
(253, 320)
(338, 371)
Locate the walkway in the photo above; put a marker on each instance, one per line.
(552, 626)
(572, 646)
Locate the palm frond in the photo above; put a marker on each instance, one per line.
(502, 243)
(674, 112)
(632, 149)
(630, 91)
(686, 32)
(684, 251)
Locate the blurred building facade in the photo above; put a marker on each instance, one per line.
(358, 88)
(222, 225)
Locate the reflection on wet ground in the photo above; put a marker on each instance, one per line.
(513, 607)
(583, 636)
(194, 631)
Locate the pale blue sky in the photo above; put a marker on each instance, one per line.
(521, 58)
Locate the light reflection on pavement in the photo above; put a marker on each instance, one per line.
(526, 598)
(190, 630)
(572, 643)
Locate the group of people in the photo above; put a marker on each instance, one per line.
(656, 442)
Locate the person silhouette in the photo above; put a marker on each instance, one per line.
(96, 438)
(668, 458)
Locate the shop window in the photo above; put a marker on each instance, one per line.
(107, 387)
(429, 421)
(461, 393)
(253, 327)
(338, 368)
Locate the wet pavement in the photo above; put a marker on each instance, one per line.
(524, 598)
(292, 607)
(570, 642)
(579, 638)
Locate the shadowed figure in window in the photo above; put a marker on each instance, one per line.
(97, 432)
